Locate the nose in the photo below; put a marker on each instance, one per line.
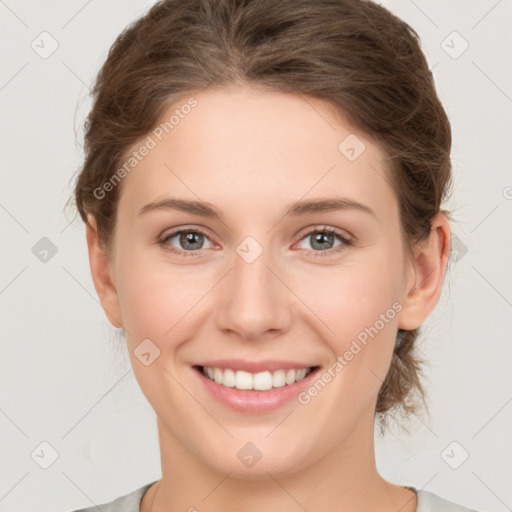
(254, 301)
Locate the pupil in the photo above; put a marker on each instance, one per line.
(188, 239)
(322, 238)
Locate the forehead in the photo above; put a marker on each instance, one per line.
(252, 146)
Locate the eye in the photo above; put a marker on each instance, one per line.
(186, 241)
(322, 241)
(325, 241)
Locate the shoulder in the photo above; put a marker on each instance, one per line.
(126, 503)
(430, 502)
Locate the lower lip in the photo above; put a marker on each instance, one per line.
(251, 401)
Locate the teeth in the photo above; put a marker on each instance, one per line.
(243, 380)
(229, 378)
(278, 379)
(261, 381)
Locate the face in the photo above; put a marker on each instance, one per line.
(293, 260)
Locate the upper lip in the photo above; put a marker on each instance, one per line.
(254, 366)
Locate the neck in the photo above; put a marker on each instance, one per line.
(345, 478)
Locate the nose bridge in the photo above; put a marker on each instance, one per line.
(254, 300)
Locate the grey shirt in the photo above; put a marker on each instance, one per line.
(427, 502)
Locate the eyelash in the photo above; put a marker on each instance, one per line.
(321, 254)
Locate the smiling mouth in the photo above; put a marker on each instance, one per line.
(261, 381)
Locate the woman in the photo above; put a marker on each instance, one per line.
(262, 194)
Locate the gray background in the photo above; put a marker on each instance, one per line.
(65, 376)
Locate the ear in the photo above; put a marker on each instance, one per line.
(429, 265)
(102, 274)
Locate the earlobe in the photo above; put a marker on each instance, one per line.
(101, 275)
(430, 262)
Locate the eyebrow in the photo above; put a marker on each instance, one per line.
(295, 209)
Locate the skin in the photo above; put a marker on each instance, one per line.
(250, 152)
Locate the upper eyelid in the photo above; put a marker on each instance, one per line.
(322, 227)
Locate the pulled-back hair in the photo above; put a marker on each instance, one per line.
(354, 54)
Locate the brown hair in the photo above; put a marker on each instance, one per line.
(353, 53)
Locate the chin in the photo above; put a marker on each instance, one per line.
(249, 463)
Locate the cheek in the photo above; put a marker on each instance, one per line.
(357, 306)
(351, 298)
(157, 299)
(157, 304)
